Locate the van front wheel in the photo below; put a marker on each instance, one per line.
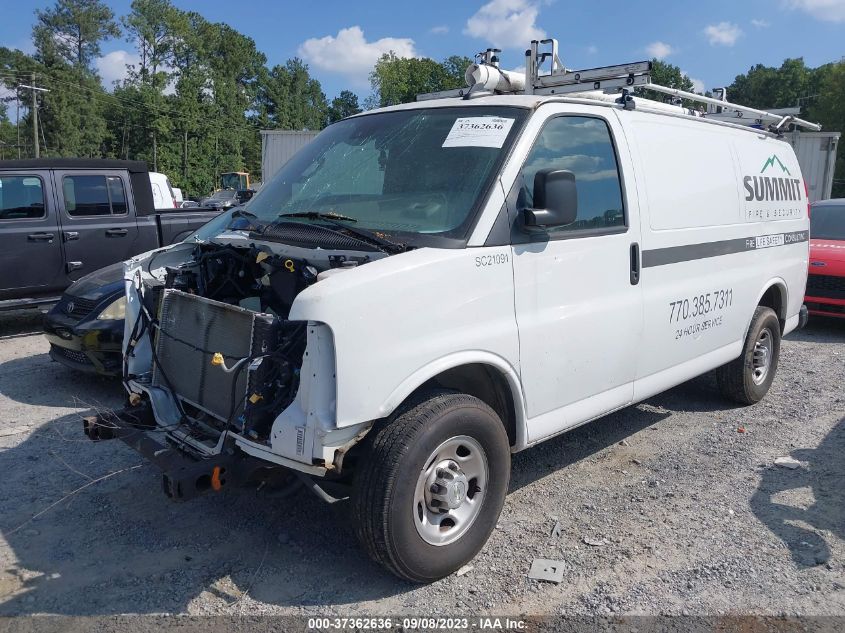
(430, 490)
(748, 378)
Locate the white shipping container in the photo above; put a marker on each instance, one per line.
(816, 153)
(278, 147)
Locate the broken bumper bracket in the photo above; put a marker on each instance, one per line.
(183, 476)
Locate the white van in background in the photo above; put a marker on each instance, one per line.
(163, 195)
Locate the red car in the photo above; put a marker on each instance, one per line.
(826, 281)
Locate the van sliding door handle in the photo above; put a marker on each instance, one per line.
(635, 264)
(116, 232)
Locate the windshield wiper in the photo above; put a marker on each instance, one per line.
(337, 220)
(315, 215)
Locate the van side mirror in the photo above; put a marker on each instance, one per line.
(555, 199)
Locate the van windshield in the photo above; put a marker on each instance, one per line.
(827, 222)
(420, 174)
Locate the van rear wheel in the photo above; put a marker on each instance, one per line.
(430, 490)
(748, 378)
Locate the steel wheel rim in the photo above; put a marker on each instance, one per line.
(761, 356)
(450, 490)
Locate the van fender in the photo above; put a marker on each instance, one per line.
(453, 361)
(781, 284)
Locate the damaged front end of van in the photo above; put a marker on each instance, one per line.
(216, 359)
(232, 339)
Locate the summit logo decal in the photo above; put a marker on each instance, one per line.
(773, 187)
(773, 159)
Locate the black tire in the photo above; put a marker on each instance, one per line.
(383, 496)
(737, 379)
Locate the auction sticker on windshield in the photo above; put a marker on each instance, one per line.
(478, 131)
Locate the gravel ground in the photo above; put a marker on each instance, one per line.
(673, 506)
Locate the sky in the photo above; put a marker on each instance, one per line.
(710, 41)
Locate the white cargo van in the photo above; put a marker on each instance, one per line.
(163, 194)
(425, 289)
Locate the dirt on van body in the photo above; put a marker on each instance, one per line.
(672, 506)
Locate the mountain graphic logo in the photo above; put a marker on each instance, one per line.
(773, 159)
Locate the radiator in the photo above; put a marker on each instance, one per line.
(192, 329)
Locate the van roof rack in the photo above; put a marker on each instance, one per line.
(484, 77)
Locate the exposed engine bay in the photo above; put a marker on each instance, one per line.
(221, 345)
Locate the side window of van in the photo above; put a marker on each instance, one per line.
(94, 195)
(583, 146)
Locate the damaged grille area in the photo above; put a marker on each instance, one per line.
(192, 330)
(259, 373)
(223, 345)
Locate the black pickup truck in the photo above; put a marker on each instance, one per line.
(63, 218)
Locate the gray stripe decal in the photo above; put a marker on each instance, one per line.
(690, 252)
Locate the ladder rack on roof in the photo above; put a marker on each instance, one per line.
(561, 80)
(779, 121)
(485, 78)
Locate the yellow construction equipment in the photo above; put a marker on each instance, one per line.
(238, 180)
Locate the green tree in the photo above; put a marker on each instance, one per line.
(456, 66)
(234, 64)
(769, 87)
(397, 80)
(8, 133)
(192, 104)
(73, 31)
(73, 115)
(151, 25)
(15, 69)
(291, 99)
(186, 109)
(67, 40)
(343, 105)
(669, 75)
(829, 110)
